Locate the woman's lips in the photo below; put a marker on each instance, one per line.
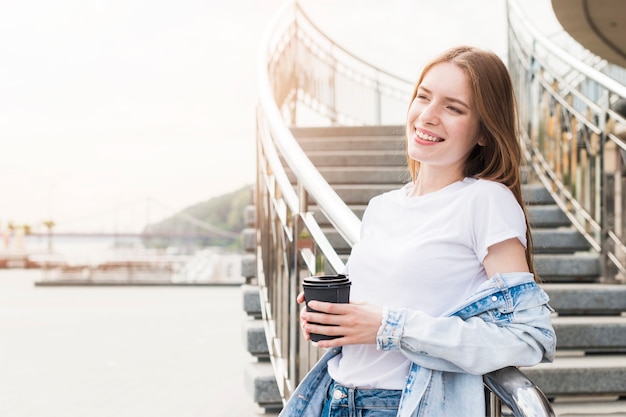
(427, 137)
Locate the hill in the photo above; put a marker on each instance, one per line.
(218, 221)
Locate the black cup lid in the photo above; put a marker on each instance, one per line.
(324, 280)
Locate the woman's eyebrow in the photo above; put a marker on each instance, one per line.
(450, 99)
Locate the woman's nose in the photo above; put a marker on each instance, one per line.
(429, 114)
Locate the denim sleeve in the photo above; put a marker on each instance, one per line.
(474, 345)
(389, 333)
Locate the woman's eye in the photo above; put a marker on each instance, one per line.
(454, 109)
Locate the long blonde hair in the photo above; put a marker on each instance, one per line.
(493, 96)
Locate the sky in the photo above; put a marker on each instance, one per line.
(117, 113)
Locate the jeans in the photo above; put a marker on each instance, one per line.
(354, 402)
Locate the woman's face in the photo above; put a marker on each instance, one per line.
(442, 123)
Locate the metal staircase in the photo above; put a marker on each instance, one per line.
(313, 184)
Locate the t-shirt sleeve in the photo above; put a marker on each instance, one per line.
(498, 217)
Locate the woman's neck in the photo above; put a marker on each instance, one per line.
(428, 182)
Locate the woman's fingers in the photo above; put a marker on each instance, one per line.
(329, 308)
(303, 324)
(354, 322)
(300, 298)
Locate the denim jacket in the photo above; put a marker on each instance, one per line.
(506, 322)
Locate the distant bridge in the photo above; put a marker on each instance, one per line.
(205, 230)
(150, 235)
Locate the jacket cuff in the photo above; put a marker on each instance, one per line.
(390, 331)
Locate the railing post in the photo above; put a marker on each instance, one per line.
(296, 374)
(495, 405)
(332, 85)
(378, 103)
(603, 197)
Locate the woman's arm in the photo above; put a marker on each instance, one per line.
(506, 256)
(436, 342)
(359, 322)
(474, 345)
(444, 343)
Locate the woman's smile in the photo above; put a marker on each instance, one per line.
(420, 134)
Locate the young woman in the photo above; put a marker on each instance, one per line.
(443, 287)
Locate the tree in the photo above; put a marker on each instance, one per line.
(49, 225)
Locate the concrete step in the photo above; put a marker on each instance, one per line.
(558, 240)
(248, 236)
(248, 267)
(536, 194)
(337, 241)
(361, 175)
(591, 333)
(254, 339)
(580, 375)
(323, 221)
(590, 407)
(373, 158)
(578, 267)
(251, 300)
(587, 299)
(260, 383)
(331, 132)
(549, 215)
(346, 143)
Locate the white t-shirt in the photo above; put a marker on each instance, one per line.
(423, 253)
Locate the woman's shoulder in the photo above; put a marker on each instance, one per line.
(481, 194)
(482, 187)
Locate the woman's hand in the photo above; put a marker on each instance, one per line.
(303, 322)
(356, 322)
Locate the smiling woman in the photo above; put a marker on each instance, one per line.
(443, 285)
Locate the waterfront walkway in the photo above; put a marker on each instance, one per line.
(120, 351)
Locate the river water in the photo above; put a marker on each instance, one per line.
(121, 351)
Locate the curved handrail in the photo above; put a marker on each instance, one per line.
(518, 393)
(569, 138)
(292, 200)
(589, 71)
(333, 206)
(348, 53)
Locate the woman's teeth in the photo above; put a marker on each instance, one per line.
(429, 138)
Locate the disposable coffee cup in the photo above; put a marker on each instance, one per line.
(328, 288)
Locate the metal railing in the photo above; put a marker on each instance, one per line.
(509, 386)
(301, 72)
(305, 78)
(315, 81)
(570, 137)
